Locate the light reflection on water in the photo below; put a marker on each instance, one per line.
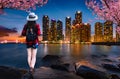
(15, 54)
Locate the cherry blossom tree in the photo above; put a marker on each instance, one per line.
(106, 10)
(21, 4)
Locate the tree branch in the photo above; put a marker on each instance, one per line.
(116, 18)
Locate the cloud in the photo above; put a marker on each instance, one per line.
(4, 31)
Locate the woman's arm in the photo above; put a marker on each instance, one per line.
(24, 31)
(38, 29)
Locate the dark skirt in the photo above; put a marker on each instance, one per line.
(34, 46)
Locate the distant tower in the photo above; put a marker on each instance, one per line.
(87, 32)
(108, 31)
(67, 28)
(78, 34)
(73, 22)
(78, 17)
(45, 25)
(84, 32)
(117, 34)
(81, 33)
(59, 30)
(53, 30)
(98, 32)
(73, 32)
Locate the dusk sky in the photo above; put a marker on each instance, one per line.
(55, 9)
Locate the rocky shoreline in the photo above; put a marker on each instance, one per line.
(54, 68)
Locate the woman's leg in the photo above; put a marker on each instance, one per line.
(29, 52)
(33, 60)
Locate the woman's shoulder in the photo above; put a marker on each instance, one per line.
(25, 26)
(37, 25)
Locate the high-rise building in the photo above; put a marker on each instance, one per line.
(98, 32)
(59, 30)
(78, 17)
(108, 31)
(87, 32)
(78, 28)
(67, 28)
(73, 22)
(53, 30)
(45, 25)
(117, 35)
(49, 34)
(81, 33)
(73, 32)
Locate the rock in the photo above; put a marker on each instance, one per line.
(103, 55)
(107, 60)
(98, 56)
(95, 56)
(9, 73)
(111, 67)
(63, 67)
(90, 73)
(86, 63)
(119, 65)
(49, 60)
(50, 57)
(49, 73)
(23, 71)
(114, 76)
(27, 76)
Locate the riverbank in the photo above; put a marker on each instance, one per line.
(48, 42)
(106, 43)
(82, 43)
(55, 68)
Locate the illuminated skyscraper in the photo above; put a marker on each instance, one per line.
(73, 22)
(80, 32)
(67, 28)
(78, 17)
(49, 34)
(45, 25)
(117, 35)
(108, 31)
(53, 30)
(78, 28)
(98, 32)
(59, 30)
(87, 32)
(73, 32)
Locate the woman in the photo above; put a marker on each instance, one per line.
(31, 30)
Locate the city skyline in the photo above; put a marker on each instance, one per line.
(54, 9)
(104, 32)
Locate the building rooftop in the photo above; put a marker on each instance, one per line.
(68, 17)
(78, 11)
(86, 23)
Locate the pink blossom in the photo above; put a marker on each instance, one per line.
(21, 4)
(106, 10)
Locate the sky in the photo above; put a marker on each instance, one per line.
(55, 9)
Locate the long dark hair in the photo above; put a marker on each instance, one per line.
(31, 24)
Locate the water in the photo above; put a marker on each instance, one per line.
(15, 55)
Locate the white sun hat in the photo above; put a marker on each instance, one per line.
(32, 17)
